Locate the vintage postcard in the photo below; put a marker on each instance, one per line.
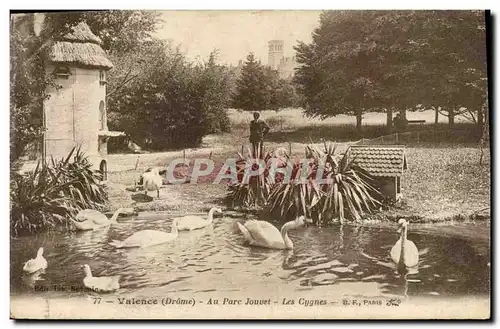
(250, 165)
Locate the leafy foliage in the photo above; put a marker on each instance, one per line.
(172, 102)
(251, 87)
(45, 197)
(27, 92)
(261, 88)
(119, 30)
(363, 61)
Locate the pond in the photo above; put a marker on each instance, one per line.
(454, 260)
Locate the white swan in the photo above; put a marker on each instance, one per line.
(404, 253)
(90, 219)
(264, 234)
(147, 238)
(152, 181)
(100, 283)
(192, 222)
(36, 264)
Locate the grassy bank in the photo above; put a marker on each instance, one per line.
(444, 181)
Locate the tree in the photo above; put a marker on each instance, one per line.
(339, 72)
(374, 60)
(281, 93)
(172, 102)
(27, 89)
(251, 88)
(456, 56)
(215, 84)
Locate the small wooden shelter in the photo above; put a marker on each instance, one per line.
(386, 163)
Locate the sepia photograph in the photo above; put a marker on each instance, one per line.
(250, 164)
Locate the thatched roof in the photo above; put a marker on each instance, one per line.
(81, 33)
(80, 47)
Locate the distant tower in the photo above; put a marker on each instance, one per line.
(276, 53)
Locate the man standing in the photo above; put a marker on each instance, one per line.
(400, 123)
(258, 130)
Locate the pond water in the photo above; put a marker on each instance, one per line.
(454, 260)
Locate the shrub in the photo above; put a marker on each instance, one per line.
(255, 191)
(45, 197)
(350, 194)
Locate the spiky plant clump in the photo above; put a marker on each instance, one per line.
(45, 197)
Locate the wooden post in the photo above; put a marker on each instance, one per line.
(242, 150)
(136, 163)
(418, 137)
(289, 149)
(184, 154)
(210, 156)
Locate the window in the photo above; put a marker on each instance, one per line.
(102, 115)
(102, 77)
(103, 168)
(62, 71)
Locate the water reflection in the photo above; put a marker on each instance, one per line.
(216, 258)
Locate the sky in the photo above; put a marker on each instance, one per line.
(236, 33)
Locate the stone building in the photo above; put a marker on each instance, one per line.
(75, 112)
(277, 60)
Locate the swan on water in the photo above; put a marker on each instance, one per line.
(264, 234)
(152, 181)
(147, 238)
(404, 253)
(90, 219)
(36, 264)
(100, 283)
(193, 222)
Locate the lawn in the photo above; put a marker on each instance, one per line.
(444, 181)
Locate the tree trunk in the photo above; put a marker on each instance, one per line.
(389, 121)
(436, 115)
(480, 119)
(403, 118)
(451, 116)
(359, 119)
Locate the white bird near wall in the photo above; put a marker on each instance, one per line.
(147, 238)
(404, 252)
(36, 264)
(91, 219)
(100, 283)
(264, 234)
(192, 222)
(152, 181)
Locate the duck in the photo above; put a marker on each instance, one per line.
(264, 234)
(404, 253)
(91, 219)
(100, 283)
(36, 264)
(152, 181)
(146, 238)
(192, 222)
